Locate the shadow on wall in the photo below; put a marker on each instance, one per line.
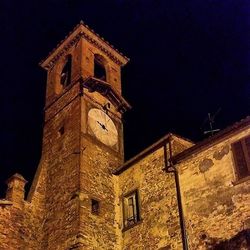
(239, 242)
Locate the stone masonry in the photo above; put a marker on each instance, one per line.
(84, 196)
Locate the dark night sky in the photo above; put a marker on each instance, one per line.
(188, 58)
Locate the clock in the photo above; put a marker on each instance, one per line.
(102, 127)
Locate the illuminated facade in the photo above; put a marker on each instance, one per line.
(172, 195)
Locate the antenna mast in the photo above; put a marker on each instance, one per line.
(210, 120)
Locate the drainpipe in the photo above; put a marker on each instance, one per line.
(170, 168)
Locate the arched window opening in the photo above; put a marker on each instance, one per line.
(66, 72)
(99, 68)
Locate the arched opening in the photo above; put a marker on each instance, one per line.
(99, 67)
(66, 72)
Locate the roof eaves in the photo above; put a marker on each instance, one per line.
(142, 154)
(91, 30)
(236, 127)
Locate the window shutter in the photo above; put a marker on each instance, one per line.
(131, 209)
(240, 160)
(247, 143)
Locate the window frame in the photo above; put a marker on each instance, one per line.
(246, 155)
(95, 206)
(136, 210)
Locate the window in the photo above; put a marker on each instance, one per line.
(66, 72)
(95, 206)
(131, 209)
(99, 67)
(241, 154)
(61, 131)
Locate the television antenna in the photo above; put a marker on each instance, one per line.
(210, 120)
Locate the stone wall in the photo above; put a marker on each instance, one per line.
(20, 220)
(217, 207)
(61, 142)
(159, 225)
(12, 232)
(96, 182)
(76, 169)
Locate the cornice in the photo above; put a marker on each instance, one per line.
(160, 143)
(50, 64)
(106, 89)
(92, 38)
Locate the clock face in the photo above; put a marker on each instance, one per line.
(103, 127)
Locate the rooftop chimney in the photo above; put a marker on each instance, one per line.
(15, 191)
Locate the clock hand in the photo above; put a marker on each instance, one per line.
(102, 125)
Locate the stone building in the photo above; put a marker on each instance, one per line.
(173, 195)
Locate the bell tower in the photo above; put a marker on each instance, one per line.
(82, 141)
